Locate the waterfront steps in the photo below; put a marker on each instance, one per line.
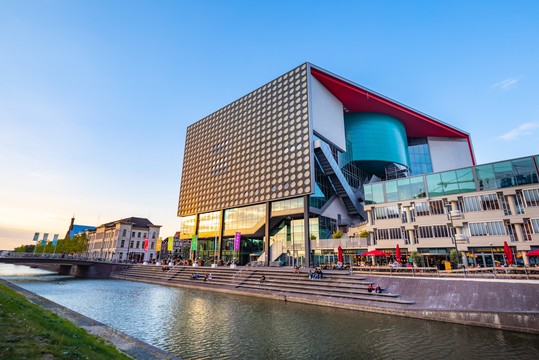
(335, 285)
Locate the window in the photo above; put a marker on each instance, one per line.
(131, 244)
(432, 231)
(124, 232)
(388, 234)
(123, 243)
(435, 207)
(138, 244)
(386, 212)
(133, 234)
(145, 236)
(531, 197)
(535, 225)
(481, 203)
(153, 235)
(491, 228)
(138, 235)
(152, 245)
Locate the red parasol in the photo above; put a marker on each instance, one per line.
(339, 254)
(533, 253)
(374, 253)
(508, 253)
(398, 253)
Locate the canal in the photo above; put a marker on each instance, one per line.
(194, 324)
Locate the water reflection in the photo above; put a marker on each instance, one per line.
(203, 325)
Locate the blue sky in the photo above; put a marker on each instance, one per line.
(95, 96)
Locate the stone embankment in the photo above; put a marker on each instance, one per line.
(123, 342)
(504, 304)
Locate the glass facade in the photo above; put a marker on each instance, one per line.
(420, 161)
(208, 224)
(244, 218)
(187, 226)
(323, 190)
(287, 205)
(481, 177)
(506, 174)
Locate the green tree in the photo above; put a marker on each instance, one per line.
(416, 258)
(364, 234)
(454, 258)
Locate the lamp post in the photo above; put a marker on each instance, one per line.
(492, 254)
(452, 232)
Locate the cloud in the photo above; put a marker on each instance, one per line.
(521, 130)
(506, 84)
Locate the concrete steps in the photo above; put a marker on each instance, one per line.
(334, 285)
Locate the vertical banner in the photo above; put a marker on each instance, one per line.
(43, 242)
(146, 244)
(237, 239)
(55, 240)
(194, 242)
(170, 243)
(36, 236)
(45, 236)
(158, 244)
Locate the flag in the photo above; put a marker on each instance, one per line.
(170, 243)
(36, 236)
(194, 242)
(158, 244)
(237, 239)
(55, 240)
(146, 244)
(45, 236)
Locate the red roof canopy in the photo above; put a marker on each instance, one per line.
(358, 99)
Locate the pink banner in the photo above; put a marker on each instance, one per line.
(237, 239)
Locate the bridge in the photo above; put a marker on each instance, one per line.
(66, 265)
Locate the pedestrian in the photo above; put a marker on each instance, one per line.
(370, 288)
(378, 289)
(262, 279)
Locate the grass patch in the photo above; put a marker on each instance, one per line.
(29, 331)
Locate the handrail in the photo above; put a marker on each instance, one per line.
(239, 273)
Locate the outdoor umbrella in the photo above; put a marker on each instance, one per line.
(508, 253)
(339, 254)
(398, 253)
(533, 253)
(374, 253)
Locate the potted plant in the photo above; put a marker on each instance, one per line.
(337, 234)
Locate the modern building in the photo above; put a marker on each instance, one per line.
(131, 238)
(486, 205)
(75, 229)
(271, 176)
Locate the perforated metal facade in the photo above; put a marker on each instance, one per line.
(254, 150)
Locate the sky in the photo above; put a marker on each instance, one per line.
(96, 96)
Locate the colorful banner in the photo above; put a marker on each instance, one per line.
(194, 242)
(36, 237)
(237, 240)
(146, 244)
(170, 243)
(55, 240)
(158, 244)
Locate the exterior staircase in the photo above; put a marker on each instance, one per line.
(334, 286)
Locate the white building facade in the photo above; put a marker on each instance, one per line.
(131, 239)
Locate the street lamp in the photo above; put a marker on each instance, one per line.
(452, 231)
(293, 244)
(492, 254)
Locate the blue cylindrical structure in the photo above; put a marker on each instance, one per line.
(376, 140)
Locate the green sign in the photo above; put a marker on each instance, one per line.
(194, 242)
